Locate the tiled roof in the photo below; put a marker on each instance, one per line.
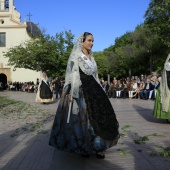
(33, 29)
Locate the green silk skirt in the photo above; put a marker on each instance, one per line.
(158, 113)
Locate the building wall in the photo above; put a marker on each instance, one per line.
(16, 34)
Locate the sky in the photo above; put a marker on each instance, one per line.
(105, 19)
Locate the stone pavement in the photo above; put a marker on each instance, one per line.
(143, 139)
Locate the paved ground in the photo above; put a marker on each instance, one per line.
(143, 139)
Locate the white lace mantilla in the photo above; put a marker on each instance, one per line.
(89, 67)
(78, 60)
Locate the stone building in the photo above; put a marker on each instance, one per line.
(12, 33)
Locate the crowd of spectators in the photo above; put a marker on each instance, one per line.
(143, 87)
(56, 86)
(22, 86)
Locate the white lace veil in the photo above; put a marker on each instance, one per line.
(73, 58)
(74, 62)
(164, 89)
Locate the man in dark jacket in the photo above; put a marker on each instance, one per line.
(57, 86)
(144, 94)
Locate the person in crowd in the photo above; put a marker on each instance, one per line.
(156, 86)
(107, 86)
(85, 122)
(37, 81)
(5, 86)
(60, 88)
(27, 86)
(20, 86)
(145, 77)
(44, 93)
(133, 88)
(102, 83)
(162, 101)
(24, 87)
(36, 85)
(119, 89)
(31, 87)
(1, 86)
(12, 86)
(17, 86)
(112, 93)
(144, 94)
(153, 78)
(140, 87)
(115, 87)
(57, 87)
(142, 77)
(137, 79)
(124, 92)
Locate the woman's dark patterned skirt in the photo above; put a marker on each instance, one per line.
(93, 126)
(45, 91)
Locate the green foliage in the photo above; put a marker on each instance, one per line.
(102, 63)
(123, 152)
(142, 140)
(157, 17)
(137, 52)
(125, 127)
(165, 152)
(47, 53)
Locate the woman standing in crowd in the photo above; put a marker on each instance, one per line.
(162, 102)
(91, 126)
(44, 93)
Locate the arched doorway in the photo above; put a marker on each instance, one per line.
(3, 79)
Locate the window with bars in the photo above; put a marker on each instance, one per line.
(2, 39)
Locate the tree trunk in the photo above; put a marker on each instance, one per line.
(130, 73)
(108, 78)
(151, 64)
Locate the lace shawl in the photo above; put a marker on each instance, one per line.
(164, 89)
(78, 59)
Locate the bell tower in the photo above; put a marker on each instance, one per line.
(4, 5)
(7, 8)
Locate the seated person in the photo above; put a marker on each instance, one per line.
(139, 88)
(133, 88)
(124, 91)
(156, 86)
(119, 89)
(144, 94)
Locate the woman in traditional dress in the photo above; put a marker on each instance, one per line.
(85, 122)
(162, 102)
(44, 93)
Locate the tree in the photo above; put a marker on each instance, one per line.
(150, 48)
(102, 64)
(157, 17)
(47, 53)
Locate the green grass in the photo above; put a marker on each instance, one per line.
(31, 118)
(4, 100)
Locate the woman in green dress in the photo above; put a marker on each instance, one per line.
(162, 102)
